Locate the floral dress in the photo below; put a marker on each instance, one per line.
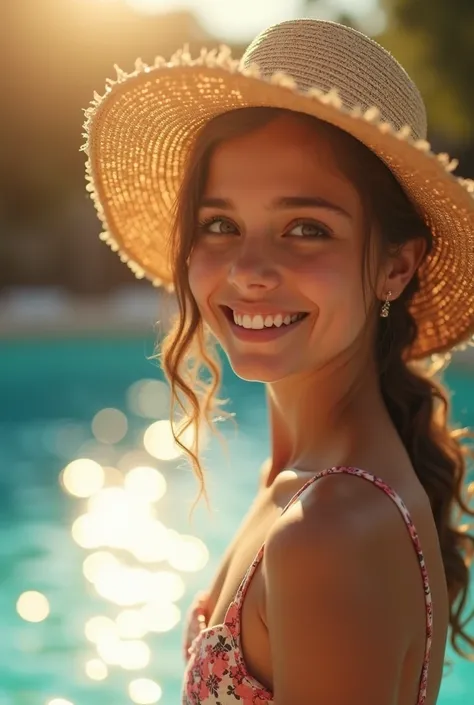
(216, 673)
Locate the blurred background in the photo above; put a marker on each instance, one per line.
(98, 560)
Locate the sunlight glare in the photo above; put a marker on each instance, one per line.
(161, 616)
(188, 554)
(168, 586)
(125, 586)
(145, 483)
(134, 655)
(33, 606)
(132, 624)
(149, 398)
(159, 441)
(96, 669)
(96, 563)
(109, 425)
(153, 544)
(100, 628)
(82, 477)
(144, 691)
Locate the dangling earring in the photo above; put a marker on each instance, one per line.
(385, 310)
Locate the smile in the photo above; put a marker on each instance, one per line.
(262, 328)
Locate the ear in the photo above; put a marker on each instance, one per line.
(400, 268)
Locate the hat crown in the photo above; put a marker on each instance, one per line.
(327, 55)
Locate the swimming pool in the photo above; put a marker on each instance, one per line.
(54, 393)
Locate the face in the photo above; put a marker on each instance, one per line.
(280, 236)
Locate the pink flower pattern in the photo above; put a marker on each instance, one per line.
(216, 673)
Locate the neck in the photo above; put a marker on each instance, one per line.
(325, 418)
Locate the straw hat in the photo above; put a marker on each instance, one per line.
(140, 132)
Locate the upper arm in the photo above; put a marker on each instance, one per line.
(332, 613)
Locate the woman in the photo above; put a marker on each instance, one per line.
(295, 206)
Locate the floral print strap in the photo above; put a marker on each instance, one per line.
(239, 598)
(216, 673)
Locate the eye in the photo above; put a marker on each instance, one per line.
(217, 226)
(309, 229)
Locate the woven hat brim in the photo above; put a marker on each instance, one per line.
(141, 131)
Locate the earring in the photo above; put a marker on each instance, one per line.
(385, 310)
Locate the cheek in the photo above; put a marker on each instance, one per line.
(334, 284)
(332, 276)
(205, 275)
(199, 269)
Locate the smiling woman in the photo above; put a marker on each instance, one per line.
(279, 231)
(318, 244)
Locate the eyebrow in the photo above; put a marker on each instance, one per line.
(284, 203)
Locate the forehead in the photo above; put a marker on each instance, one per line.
(287, 155)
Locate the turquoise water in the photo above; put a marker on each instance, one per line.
(50, 393)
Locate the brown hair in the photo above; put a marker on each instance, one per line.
(418, 405)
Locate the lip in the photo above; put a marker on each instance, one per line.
(261, 335)
(253, 310)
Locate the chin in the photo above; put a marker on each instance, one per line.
(265, 371)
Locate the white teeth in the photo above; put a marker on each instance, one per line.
(258, 321)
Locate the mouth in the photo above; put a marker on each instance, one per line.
(273, 329)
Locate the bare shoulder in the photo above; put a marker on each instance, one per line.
(350, 527)
(339, 503)
(333, 591)
(335, 510)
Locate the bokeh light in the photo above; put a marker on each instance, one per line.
(113, 476)
(124, 586)
(144, 691)
(82, 477)
(134, 655)
(85, 532)
(134, 458)
(132, 624)
(115, 504)
(96, 669)
(159, 441)
(167, 585)
(33, 606)
(118, 519)
(59, 701)
(109, 425)
(161, 616)
(96, 563)
(146, 483)
(101, 628)
(149, 398)
(131, 655)
(188, 553)
(153, 544)
(109, 651)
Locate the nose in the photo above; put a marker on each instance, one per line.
(253, 268)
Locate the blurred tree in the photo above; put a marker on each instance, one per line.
(434, 40)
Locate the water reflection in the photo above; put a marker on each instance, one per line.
(134, 561)
(109, 425)
(33, 606)
(144, 691)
